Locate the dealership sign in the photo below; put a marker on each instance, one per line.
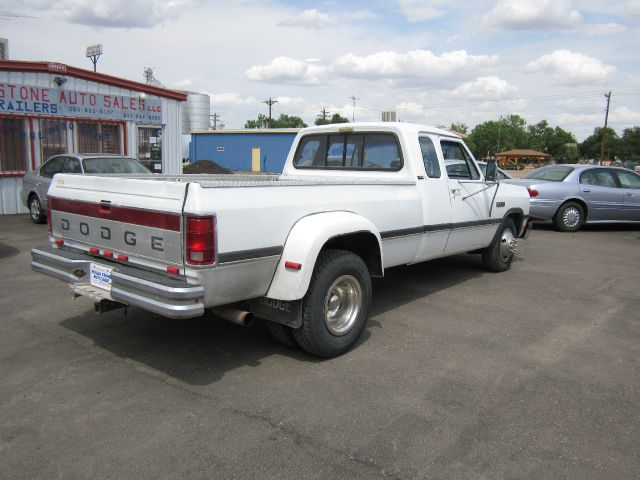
(57, 102)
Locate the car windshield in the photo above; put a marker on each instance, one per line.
(113, 165)
(553, 173)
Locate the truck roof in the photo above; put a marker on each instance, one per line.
(399, 127)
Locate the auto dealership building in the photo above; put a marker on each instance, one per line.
(51, 108)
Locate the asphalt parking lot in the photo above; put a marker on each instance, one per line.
(462, 374)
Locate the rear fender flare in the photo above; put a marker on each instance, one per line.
(303, 245)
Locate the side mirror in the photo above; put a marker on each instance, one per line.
(492, 172)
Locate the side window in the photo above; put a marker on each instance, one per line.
(628, 179)
(310, 151)
(381, 152)
(457, 161)
(72, 166)
(598, 177)
(53, 166)
(429, 157)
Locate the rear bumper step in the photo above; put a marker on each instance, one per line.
(173, 298)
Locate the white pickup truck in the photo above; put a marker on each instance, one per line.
(297, 249)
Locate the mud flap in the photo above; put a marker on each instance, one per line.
(278, 311)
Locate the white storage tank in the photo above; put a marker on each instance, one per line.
(195, 112)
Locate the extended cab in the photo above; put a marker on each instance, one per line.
(298, 249)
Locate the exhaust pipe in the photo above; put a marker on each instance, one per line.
(239, 317)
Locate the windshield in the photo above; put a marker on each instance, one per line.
(551, 173)
(113, 165)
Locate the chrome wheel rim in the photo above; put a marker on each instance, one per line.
(571, 217)
(35, 209)
(342, 304)
(508, 244)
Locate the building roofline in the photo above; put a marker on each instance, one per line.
(62, 69)
(250, 130)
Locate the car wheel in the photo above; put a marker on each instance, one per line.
(336, 306)
(569, 217)
(35, 210)
(282, 334)
(498, 256)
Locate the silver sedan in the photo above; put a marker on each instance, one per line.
(572, 195)
(36, 183)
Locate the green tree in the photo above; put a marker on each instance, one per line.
(459, 127)
(590, 147)
(283, 121)
(335, 118)
(260, 122)
(630, 145)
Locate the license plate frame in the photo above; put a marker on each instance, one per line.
(100, 276)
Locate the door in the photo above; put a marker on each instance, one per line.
(255, 159)
(605, 201)
(630, 186)
(436, 203)
(471, 226)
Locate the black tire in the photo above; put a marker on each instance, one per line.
(498, 256)
(282, 334)
(569, 217)
(35, 210)
(336, 306)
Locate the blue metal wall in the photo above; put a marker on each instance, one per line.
(274, 148)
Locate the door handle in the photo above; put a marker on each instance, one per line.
(629, 194)
(586, 190)
(456, 192)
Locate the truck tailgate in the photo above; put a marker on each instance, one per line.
(137, 217)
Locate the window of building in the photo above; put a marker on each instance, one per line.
(94, 137)
(13, 146)
(357, 151)
(53, 138)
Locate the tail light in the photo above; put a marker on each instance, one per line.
(533, 192)
(200, 240)
(49, 216)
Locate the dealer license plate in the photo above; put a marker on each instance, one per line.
(100, 276)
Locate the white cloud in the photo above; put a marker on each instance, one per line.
(604, 29)
(570, 68)
(624, 115)
(533, 15)
(120, 13)
(286, 70)
(318, 20)
(310, 19)
(419, 10)
(231, 99)
(416, 64)
(485, 87)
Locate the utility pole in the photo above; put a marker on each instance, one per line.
(324, 113)
(604, 131)
(270, 102)
(353, 114)
(214, 119)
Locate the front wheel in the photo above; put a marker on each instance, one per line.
(35, 210)
(569, 218)
(336, 306)
(498, 256)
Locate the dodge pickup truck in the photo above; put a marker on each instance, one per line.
(297, 249)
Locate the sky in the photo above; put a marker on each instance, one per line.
(431, 61)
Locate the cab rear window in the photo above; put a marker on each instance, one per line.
(354, 151)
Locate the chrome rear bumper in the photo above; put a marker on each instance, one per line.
(169, 297)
